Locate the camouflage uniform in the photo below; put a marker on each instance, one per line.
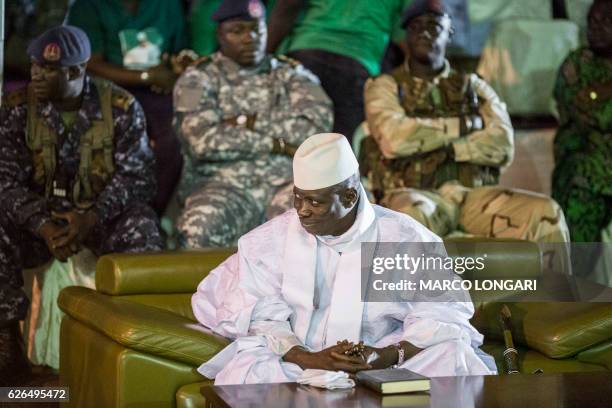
(418, 162)
(582, 179)
(230, 177)
(125, 222)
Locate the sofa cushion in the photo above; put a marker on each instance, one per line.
(141, 327)
(600, 354)
(556, 329)
(531, 360)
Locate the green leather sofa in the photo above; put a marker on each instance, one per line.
(134, 342)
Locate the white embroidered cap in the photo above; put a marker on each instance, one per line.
(323, 160)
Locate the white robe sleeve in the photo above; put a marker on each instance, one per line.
(270, 319)
(242, 297)
(220, 304)
(431, 323)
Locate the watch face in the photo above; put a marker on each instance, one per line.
(241, 120)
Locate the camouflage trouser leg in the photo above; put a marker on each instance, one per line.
(429, 208)
(135, 230)
(218, 214)
(483, 211)
(18, 250)
(281, 201)
(507, 213)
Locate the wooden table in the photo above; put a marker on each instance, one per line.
(588, 390)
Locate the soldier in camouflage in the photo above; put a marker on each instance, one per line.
(440, 139)
(76, 171)
(582, 179)
(240, 115)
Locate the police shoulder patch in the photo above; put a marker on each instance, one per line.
(15, 98)
(121, 99)
(288, 60)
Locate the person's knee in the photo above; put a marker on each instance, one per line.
(547, 221)
(423, 208)
(135, 230)
(515, 213)
(201, 226)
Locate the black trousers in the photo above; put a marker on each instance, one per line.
(135, 230)
(343, 79)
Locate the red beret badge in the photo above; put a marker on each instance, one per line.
(52, 52)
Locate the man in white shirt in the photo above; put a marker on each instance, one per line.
(292, 291)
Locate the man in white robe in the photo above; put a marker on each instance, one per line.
(292, 291)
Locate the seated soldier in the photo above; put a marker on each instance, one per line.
(582, 179)
(440, 139)
(240, 115)
(75, 171)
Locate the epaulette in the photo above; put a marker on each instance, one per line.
(121, 99)
(15, 98)
(201, 62)
(288, 60)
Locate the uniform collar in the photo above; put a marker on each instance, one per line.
(232, 68)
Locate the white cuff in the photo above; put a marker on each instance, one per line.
(281, 345)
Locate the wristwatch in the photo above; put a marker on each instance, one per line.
(241, 120)
(144, 76)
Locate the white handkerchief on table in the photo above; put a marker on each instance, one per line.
(326, 379)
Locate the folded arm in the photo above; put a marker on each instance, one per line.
(400, 135)
(199, 122)
(302, 108)
(494, 144)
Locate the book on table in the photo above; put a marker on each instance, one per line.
(393, 381)
(412, 400)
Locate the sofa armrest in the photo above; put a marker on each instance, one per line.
(141, 327)
(164, 272)
(556, 329)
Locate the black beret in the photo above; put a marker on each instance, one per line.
(246, 9)
(420, 7)
(63, 45)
